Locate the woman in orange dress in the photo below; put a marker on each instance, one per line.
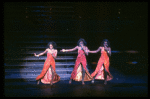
(103, 60)
(48, 74)
(80, 71)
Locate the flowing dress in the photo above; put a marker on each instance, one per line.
(46, 74)
(99, 71)
(77, 71)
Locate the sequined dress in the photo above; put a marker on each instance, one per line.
(46, 74)
(77, 71)
(99, 71)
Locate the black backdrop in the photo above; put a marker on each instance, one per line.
(124, 24)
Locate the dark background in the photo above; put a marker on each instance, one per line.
(29, 26)
(124, 24)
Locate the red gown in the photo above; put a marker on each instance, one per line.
(46, 74)
(77, 71)
(99, 71)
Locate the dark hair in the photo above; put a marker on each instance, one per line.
(105, 40)
(81, 39)
(53, 43)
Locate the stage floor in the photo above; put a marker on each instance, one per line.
(128, 86)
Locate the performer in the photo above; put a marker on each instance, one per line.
(80, 71)
(48, 74)
(104, 59)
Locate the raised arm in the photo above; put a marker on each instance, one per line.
(69, 50)
(40, 53)
(95, 50)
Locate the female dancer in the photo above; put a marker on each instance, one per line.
(80, 64)
(48, 74)
(104, 59)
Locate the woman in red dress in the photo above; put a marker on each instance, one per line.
(104, 59)
(80, 71)
(48, 74)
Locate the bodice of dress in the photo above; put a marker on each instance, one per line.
(81, 53)
(49, 56)
(104, 54)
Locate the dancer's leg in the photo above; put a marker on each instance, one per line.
(52, 70)
(93, 79)
(105, 76)
(52, 75)
(38, 82)
(106, 65)
(99, 65)
(84, 64)
(74, 72)
(44, 70)
(83, 74)
(70, 81)
(95, 76)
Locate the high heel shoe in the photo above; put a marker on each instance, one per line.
(83, 83)
(105, 82)
(38, 82)
(51, 83)
(70, 81)
(92, 81)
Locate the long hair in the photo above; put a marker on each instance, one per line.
(81, 39)
(53, 43)
(105, 40)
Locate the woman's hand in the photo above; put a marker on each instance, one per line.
(106, 48)
(36, 55)
(63, 50)
(87, 50)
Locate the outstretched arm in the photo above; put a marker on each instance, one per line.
(40, 53)
(69, 50)
(95, 50)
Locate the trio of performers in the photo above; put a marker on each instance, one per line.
(80, 72)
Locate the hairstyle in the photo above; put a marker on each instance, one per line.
(81, 39)
(105, 40)
(53, 43)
